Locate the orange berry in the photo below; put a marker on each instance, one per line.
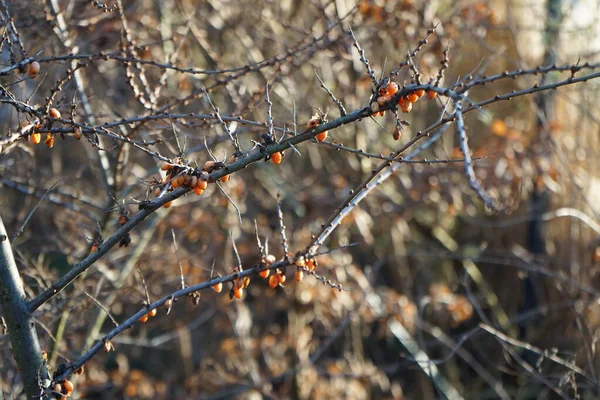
(264, 273)
(246, 282)
(225, 178)
(276, 157)
(413, 97)
(79, 370)
(273, 281)
(391, 88)
(33, 69)
(122, 219)
(299, 275)
(54, 113)
(36, 138)
(181, 179)
(310, 264)
(152, 312)
(68, 386)
(156, 192)
(431, 94)
(218, 287)
(396, 134)
(175, 183)
(143, 318)
(198, 191)
(166, 166)
(321, 136)
(406, 106)
(94, 248)
(420, 92)
(168, 204)
(77, 132)
(238, 293)
(202, 184)
(49, 140)
(281, 278)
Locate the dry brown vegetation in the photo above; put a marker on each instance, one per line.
(443, 268)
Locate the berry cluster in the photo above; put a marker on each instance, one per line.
(36, 137)
(405, 103)
(185, 177)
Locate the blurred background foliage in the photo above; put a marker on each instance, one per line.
(429, 264)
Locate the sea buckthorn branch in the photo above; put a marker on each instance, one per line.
(148, 207)
(339, 146)
(21, 326)
(269, 114)
(337, 102)
(69, 74)
(113, 240)
(363, 59)
(217, 115)
(284, 241)
(413, 53)
(166, 301)
(443, 66)
(146, 99)
(469, 171)
(258, 154)
(384, 171)
(572, 68)
(12, 34)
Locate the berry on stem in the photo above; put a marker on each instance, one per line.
(276, 157)
(218, 287)
(54, 113)
(264, 273)
(36, 138)
(33, 69)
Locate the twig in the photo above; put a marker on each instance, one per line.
(363, 59)
(28, 217)
(178, 259)
(103, 308)
(337, 102)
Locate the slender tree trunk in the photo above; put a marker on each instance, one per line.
(21, 328)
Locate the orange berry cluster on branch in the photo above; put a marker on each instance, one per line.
(270, 259)
(239, 284)
(278, 279)
(384, 94)
(150, 314)
(405, 103)
(184, 177)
